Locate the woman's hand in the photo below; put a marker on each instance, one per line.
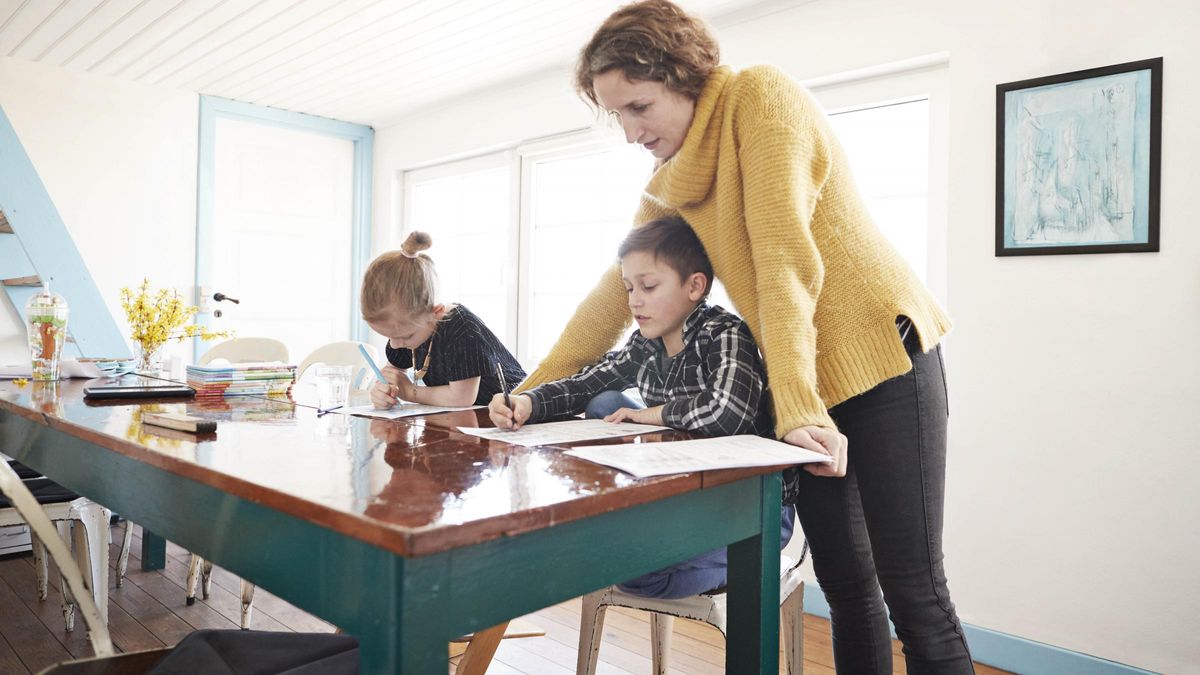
(637, 415)
(825, 441)
(510, 418)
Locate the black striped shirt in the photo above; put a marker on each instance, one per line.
(463, 347)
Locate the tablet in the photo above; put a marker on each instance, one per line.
(139, 391)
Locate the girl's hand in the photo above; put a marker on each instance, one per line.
(510, 418)
(637, 415)
(383, 396)
(825, 441)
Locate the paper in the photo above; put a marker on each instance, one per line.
(398, 411)
(727, 452)
(552, 433)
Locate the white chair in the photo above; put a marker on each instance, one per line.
(237, 350)
(78, 520)
(709, 609)
(343, 353)
(246, 350)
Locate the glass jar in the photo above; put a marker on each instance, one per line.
(46, 318)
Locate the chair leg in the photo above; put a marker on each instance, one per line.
(68, 600)
(792, 622)
(90, 542)
(39, 565)
(206, 578)
(480, 650)
(123, 560)
(247, 603)
(591, 631)
(193, 576)
(660, 641)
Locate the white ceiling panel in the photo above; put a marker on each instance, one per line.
(369, 61)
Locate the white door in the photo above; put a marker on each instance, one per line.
(280, 240)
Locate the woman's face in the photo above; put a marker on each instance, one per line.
(650, 113)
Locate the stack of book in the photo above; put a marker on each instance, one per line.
(241, 379)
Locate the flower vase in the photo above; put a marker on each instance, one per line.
(150, 361)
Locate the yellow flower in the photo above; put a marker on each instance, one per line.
(158, 316)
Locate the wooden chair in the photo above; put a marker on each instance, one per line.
(708, 608)
(237, 350)
(236, 650)
(78, 520)
(343, 353)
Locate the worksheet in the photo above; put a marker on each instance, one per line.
(553, 433)
(727, 452)
(397, 411)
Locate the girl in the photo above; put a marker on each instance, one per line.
(452, 352)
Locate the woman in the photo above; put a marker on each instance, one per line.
(849, 335)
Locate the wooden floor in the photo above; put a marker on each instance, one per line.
(148, 611)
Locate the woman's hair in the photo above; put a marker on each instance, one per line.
(671, 240)
(403, 280)
(652, 41)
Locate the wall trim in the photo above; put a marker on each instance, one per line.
(363, 137)
(1010, 652)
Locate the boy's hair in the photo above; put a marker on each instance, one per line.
(403, 280)
(671, 240)
(650, 41)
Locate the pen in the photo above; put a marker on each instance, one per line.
(371, 362)
(327, 410)
(503, 385)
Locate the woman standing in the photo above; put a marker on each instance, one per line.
(849, 335)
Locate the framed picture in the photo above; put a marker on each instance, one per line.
(1077, 161)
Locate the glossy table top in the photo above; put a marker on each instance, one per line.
(414, 486)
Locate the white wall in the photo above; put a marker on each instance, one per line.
(119, 161)
(1073, 379)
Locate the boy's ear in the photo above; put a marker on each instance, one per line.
(697, 283)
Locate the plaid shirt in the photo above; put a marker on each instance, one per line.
(715, 386)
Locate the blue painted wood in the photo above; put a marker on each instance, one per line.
(363, 137)
(51, 251)
(1008, 652)
(404, 610)
(13, 261)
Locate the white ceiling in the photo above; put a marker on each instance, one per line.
(367, 61)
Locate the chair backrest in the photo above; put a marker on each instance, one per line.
(344, 353)
(26, 504)
(246, 350)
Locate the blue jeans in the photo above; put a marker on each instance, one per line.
(700, 574)
(876, 535)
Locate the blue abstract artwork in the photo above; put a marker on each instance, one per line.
(1076, 162)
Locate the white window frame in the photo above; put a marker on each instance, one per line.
(877, 87)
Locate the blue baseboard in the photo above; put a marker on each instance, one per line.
(1008, 652)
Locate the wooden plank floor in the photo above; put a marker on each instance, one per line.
(149, 611)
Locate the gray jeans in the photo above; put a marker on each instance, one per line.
(880, 528)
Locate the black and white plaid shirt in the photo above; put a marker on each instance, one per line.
(716, 385)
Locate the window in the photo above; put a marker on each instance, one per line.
(465, 207)
(581, 203)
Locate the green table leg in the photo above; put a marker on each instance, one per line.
(753, 644)
(154, 551)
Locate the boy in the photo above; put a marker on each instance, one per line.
(696, 365)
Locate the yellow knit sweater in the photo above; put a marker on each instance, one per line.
(767, 188)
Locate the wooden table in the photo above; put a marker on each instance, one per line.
(405, 534)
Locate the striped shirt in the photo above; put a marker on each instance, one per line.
(463, 347)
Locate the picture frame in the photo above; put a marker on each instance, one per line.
(1077, 161)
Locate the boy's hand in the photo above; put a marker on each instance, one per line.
(637, 415)
(825, 441)
(504, 417)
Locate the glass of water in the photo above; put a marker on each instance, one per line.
(333, 385)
